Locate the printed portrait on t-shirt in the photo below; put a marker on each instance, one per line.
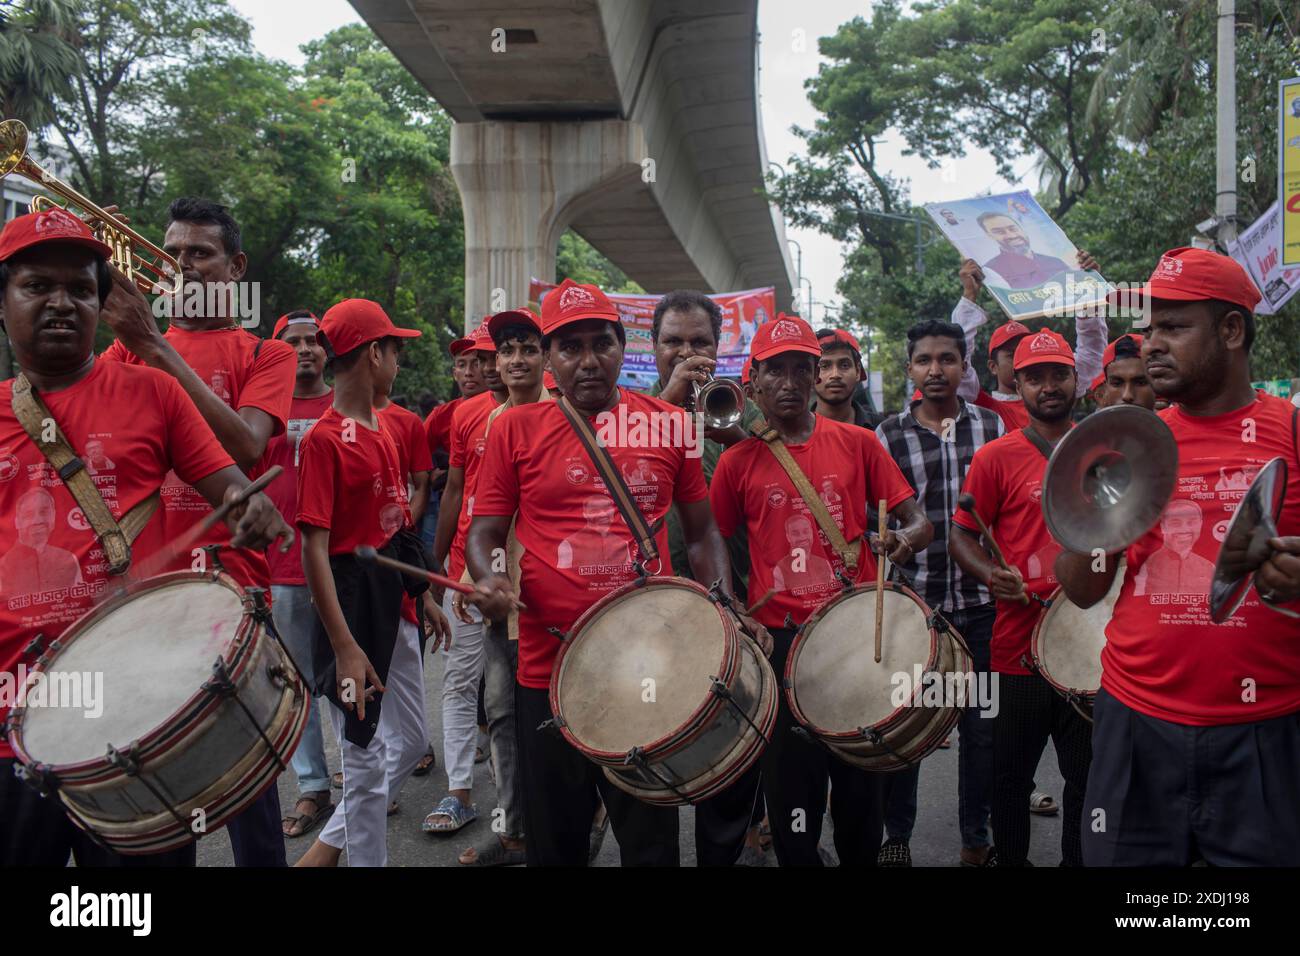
(219, 387)
(829, 495)
(642, 474)
(1175, 568)
(294, 429)
(1042, 563)
(391, 519)
(1235, 479)
(598, 542)
(96, 460)
(801, 569)
(33, 564)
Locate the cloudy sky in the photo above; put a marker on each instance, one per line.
(788, 57)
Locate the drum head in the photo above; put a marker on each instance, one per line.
(640, 668)
(1070, 639)
(836, 680)
(153, 651)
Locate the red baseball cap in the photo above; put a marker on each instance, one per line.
(499, 321)
(282, 324)
(1108, 356)
(352, 323)
(1040, 348)
(479, 339)
(839, 335)
(572, 302)
(456, 346)
(785, 333)
(1188, 274)
(1004, 333)
(51, 225)
(744, 371)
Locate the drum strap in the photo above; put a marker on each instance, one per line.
(613, 479)
(1038, 441)
(760, 429)
(44, 431)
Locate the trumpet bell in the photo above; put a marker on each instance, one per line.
(721, 402)
(1109, 479)
(1245, 546)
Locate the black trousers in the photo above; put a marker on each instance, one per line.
(722, 821)
(36, 831)
(796, 772)
(256, 834)
(561, 788)
(1029, 712)
(1165, 794)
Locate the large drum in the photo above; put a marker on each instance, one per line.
(657, 685)
(884, 716)
(1067, 643)
(201, 709)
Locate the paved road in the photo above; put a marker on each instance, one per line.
(935, 842)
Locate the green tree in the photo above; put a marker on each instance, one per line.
(38, 58)
(577, 259)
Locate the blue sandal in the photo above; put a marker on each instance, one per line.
(456, 812)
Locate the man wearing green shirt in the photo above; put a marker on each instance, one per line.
(687, 326)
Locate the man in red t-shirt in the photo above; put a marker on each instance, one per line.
(535, 465)
(1123, 379)
(463, 666)
(352, 493)
(1006, 481)
(792, 561)
(1197, 724)
(242, 386)
(437, 428)
(1090, 340)
(54, 280)
(295, 618)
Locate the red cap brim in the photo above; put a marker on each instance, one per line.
(778, 348)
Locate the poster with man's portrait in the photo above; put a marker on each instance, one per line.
(1030, 266)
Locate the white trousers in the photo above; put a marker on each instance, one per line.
(360, 821)
(462, 670)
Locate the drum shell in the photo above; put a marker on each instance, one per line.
(908, 734)
(206, 756)
(1053, 621)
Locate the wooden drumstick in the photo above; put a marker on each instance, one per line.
(882, 527)
(966, 502)
(433, 577)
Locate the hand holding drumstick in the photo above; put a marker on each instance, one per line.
(1006, 582)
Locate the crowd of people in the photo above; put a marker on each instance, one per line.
(1192, 752)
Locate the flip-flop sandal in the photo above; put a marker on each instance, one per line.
(426, 764)
(1042, 803)
(393, 809)
(306, 822)
(496, 853)
(458, 815)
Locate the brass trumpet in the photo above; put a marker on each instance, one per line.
(151, 269)
(720, 401)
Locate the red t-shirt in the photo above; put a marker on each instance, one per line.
(131, 426)
(413, 456)
(244, 371)
(350, 482)
(789, 553)
(437, 427)
(468, 442)
(1013, 414)
(1163, 655)
(576, 547)
(283, 450)
(1006, 478)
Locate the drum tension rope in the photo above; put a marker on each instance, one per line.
(131, 767)
(722, 691)
(637, 756)
(221, 685)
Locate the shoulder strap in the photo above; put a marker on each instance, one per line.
(1038, 441)
(609, 473)
(761, 430)
(258, 347)
(116, 537)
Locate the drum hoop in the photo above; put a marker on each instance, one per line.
(176, 727)
(699, 718)
(1056, 598)
(800, 639)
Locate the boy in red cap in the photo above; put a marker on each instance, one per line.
(1090, 340)
(537, 466)
(352, 493)
(54, 281)
(437, 426)
(464, 662)
(793, 563)
(1197, 724)
(839, 375)
(1006, 479)
(295, 618)
(1123, 379)
(243, 386)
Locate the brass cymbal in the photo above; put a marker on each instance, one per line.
(1109, 479)
(1245, 546)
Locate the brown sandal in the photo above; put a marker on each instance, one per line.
(297, 824)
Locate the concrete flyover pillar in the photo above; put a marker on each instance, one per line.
(521, 185)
